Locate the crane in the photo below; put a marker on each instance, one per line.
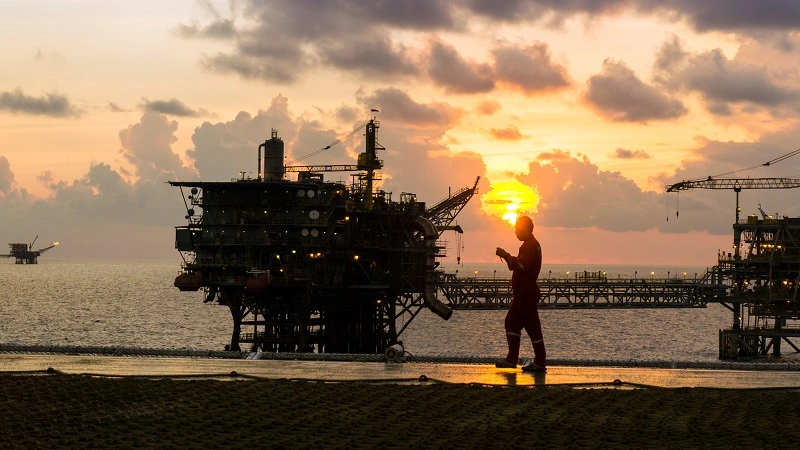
(327, 147)
(443, 213)
(737, 184)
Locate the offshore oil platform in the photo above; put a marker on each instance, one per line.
(761, 274)
(24, 253)
(312, 265)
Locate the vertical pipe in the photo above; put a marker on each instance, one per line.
(737, 239)
(264, 146)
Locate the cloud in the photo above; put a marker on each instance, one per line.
(173, 107)
(507, 134)
(113, 107)
(553, 12)
(731, 15)
(102, 197)
(347, 113)
(224, 149)
(217, 29)
(488, 107)
(369, 56)
(105, 213)
(147, 145)
(52, 56)
(52, 104)
(529, 69)
(720, 81)
(703, 16)
(6, 176)
(47, 177)
(554, 155)
(255, 67)
(457, 75)
(574, 193)
(624, 153)
(619, 95)
(278, 42)
(398, 105)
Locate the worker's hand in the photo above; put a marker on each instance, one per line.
(501, 253)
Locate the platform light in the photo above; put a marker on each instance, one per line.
(355, 257)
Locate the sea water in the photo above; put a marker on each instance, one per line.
(134, 304)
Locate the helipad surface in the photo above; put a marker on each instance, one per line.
(397, 372)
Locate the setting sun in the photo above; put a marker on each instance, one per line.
(509, 199)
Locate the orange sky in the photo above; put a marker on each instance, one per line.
(576, 113)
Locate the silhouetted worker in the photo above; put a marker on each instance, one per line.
(524, 310)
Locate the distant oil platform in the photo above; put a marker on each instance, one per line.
(25, 254)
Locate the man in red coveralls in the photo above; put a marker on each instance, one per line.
(524, 310)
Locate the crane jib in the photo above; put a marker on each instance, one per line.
(736, 183)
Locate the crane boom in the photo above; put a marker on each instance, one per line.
(443, 213)
(323, 168)
(736, 184)
(337, 141)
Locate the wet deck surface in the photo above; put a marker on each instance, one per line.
(397, 372)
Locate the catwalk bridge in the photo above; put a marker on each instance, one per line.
(586, 290)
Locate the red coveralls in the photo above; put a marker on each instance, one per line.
(524, 310)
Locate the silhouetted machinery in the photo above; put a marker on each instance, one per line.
(762, 272)
(313, 265)
(25, 254)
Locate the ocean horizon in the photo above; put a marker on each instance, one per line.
(133, 303)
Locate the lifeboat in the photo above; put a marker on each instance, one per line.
(259, 283)
(189, 281)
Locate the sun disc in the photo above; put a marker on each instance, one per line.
(507, 200)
